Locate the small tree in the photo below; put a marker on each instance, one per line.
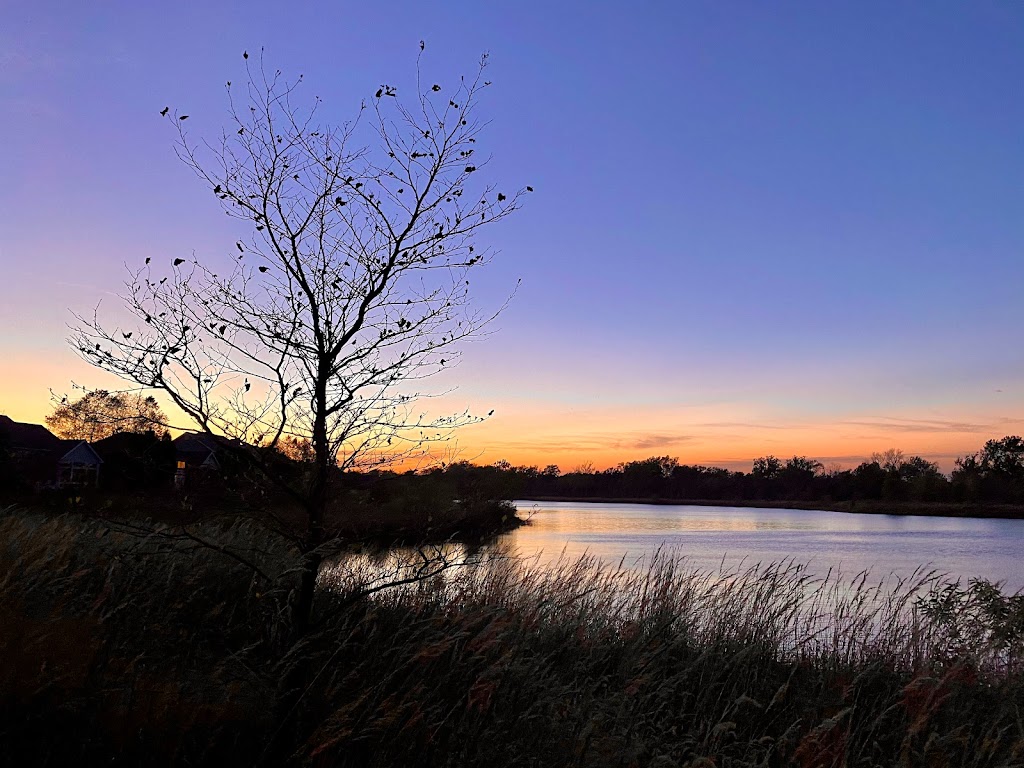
(353, 287)
(99, 414)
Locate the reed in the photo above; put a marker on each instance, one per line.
(160, 650)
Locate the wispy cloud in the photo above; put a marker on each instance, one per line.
(743, 425)
(575, 443)
(921, 425)
(660, 441)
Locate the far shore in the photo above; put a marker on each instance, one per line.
(864, 506)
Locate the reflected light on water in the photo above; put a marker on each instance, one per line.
(709, 537)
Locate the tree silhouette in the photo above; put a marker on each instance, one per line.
(801, 465)
(1003, 457)
(352, 289)
(918, 467)
(890, 459)
(767, 467)
(994, 473)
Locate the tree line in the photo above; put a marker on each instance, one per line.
(994, 474)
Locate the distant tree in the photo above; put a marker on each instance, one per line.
(1003, 457)
(99, 414)
(890, 460)
(996, 473)
(967, 466)
(551, 470)
(923, 480)
(767, 467)
(798, 476)
(297, 449)
(646, 477)
(868, 480)
(655, 466)
(916, 467)
(803, 465)
(701, 482)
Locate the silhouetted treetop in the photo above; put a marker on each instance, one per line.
(99, 414)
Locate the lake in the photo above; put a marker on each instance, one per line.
(707, 536)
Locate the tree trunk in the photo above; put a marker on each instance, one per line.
(302, 607)
(324, 462)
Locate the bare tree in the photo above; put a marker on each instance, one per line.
(352, 288)
(891, 459)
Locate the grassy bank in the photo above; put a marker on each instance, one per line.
(127, 650)
(386, 520)
(867, 507)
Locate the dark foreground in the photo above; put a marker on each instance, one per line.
(121, 650)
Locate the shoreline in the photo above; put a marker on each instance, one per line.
(863, 507)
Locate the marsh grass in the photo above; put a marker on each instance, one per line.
(159, 651)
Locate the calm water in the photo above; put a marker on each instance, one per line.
(883, 544)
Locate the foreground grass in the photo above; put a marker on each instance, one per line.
(132, 650)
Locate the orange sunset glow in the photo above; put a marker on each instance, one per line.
(727, 435)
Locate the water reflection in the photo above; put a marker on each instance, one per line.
(369, 571)
(712, 536)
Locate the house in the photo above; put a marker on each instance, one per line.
(200, 455)
(41, 458)
(195, 450)
(136, 461)
(80, 466)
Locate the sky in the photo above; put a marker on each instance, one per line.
(792, 228)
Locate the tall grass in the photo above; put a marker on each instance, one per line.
(160, 651)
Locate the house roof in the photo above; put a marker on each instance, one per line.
(197, 440)
(42, 443)
(198, 449)
(79, 452)
(127, 443)
(29, 437)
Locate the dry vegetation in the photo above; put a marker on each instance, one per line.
(156, 651)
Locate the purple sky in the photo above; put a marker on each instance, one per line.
(758, 228)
